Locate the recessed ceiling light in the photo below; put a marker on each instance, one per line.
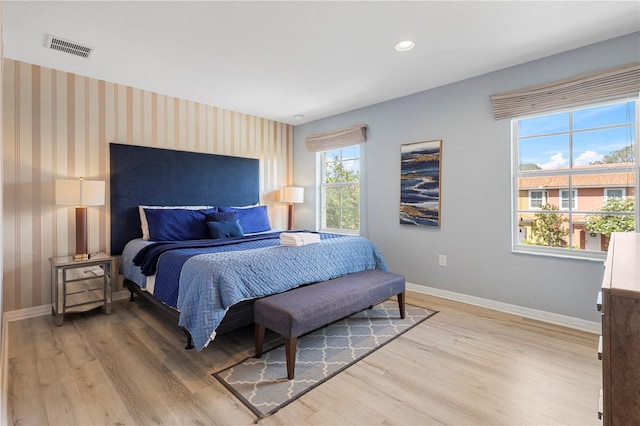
(404, 46)
(298, 117)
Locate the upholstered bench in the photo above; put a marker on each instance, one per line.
(301, 310)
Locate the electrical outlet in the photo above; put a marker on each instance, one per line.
(442, 260)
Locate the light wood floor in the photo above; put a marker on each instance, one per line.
(464, 366)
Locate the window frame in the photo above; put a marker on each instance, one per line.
(320, 187)
(622, 190)
(516, 211)
(531, 191)
(573, 196)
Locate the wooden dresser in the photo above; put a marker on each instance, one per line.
(620, 342)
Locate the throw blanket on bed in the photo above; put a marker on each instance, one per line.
(211, 283)
(147, 258)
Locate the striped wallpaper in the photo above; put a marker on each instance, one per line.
(59, 125)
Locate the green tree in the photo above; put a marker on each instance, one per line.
(605, 224)
(548, 227)
(529, 166)
(342, 199)
(623, 155)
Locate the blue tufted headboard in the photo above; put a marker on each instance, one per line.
(155, 176)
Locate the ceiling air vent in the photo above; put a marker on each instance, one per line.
(71, 47)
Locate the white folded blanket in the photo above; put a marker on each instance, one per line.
(298, 238)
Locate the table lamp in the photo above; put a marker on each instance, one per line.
(292, 194)
(80, 193)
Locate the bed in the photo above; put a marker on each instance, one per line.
(209, 284)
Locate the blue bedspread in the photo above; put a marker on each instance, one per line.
(211, 283)
(166, 284)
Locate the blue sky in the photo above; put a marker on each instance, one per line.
(350, 157)
(592, 138)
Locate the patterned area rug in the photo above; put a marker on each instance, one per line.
(262, 385)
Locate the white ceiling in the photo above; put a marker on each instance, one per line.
(280, 59)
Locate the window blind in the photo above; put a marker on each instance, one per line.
(336, 138)
(568, 93)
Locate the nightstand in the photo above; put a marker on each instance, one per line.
(81, 285)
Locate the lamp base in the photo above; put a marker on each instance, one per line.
(81, 234)
(291, 222)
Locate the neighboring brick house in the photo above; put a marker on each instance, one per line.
(589, 193)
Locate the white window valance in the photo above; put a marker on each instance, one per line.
(568, 93)
(336, 138)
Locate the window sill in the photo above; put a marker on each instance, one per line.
(340, 231)
(591, 256)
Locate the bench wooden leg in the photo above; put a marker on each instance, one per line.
(259, 339)
(290, 346)
(401, 304)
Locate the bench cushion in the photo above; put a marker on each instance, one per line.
(303, 309)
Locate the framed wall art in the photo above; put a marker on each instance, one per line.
(420, 171)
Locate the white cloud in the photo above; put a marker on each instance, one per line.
(556, 161)
(587, 158)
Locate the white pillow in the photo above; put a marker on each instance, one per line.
(143, 217)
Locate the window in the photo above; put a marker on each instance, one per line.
(340, 190)
(575, 177)
(535, 199)
(566, 200)
(614, 193)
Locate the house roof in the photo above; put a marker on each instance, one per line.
(604, 180)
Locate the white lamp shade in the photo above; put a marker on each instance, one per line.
(293, 194)
(79, 192)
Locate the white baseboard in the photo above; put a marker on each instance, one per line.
(563, 320)
(38, 311)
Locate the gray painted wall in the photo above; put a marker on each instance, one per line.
(475, 231)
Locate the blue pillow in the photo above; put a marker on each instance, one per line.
(177, 224)
(252, 219)
(220, 216)
(225, 229)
